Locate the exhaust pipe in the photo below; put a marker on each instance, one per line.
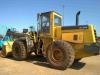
(77, 18)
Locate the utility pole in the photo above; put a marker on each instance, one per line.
(63, 6)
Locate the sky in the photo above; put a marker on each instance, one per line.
(21, 14)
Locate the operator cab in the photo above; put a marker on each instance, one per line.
(49, 23)
(44, 22)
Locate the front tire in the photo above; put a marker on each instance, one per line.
(19, 50)
(60, 55)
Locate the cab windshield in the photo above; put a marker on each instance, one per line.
(44, 23)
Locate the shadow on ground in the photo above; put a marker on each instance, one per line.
(41, 61)
(78, 65)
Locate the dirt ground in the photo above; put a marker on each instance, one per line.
(39, 66)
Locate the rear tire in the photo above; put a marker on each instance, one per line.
(60, 55)
(19, 50)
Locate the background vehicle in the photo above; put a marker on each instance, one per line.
(6, 44)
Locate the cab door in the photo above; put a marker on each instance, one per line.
(56, 26)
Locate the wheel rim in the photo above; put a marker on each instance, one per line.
(57, 55)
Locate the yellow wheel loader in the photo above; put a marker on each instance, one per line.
(61, 45)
